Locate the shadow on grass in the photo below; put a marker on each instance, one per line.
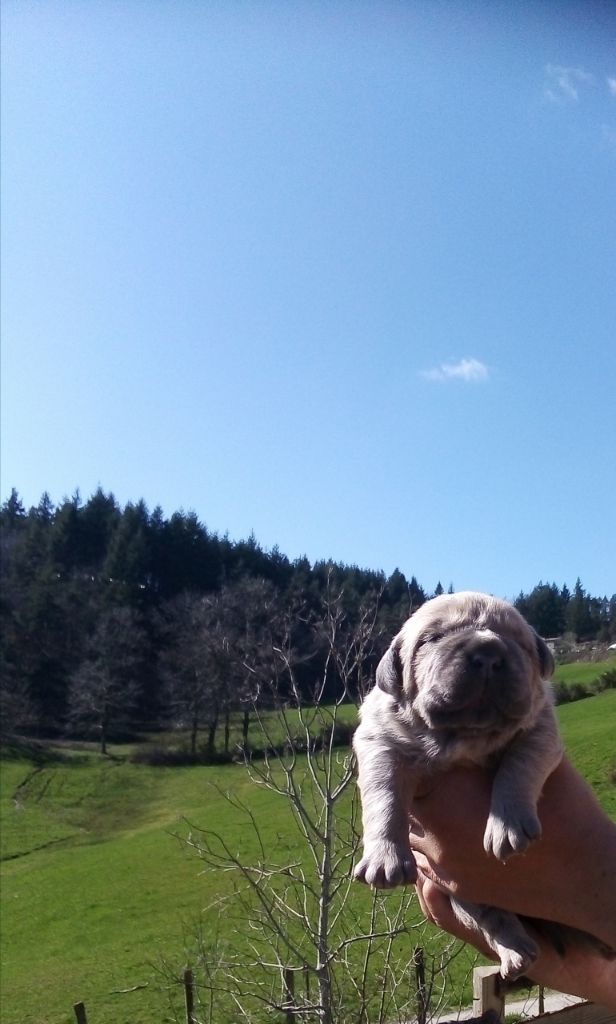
(21, 748)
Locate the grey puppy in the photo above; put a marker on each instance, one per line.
(464, 681)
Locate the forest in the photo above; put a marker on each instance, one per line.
(118, 621)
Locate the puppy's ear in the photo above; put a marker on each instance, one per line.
(389, 672)
(546, 660)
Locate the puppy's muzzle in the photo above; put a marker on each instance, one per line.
(479, 684)
(486, 659)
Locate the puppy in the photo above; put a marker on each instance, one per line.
(463, 681)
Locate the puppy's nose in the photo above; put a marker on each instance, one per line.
(487, 659)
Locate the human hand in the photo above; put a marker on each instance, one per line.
(580, 972)
(566, 876)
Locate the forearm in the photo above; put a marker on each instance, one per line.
(595, 905)
(580, 973)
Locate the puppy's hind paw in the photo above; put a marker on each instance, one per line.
(516, 962)
(511, 831)
(386, 865)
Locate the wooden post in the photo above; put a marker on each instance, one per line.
(420, 984)
(541, 1006)
(80, 1013)
(487, 992)
(189, 995)
(288, 993)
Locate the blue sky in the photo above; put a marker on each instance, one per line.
(342, 274)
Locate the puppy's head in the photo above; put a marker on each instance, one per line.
(467, 662)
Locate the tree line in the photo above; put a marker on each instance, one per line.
(556, 611)
(119, 620)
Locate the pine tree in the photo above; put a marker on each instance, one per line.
(579, 615)
(12, 513)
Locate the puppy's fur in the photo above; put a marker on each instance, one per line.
(463, 681)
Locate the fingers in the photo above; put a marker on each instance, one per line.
(436, 906)
(436, 874)
(434, 903)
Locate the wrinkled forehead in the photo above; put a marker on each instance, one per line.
(466, 610)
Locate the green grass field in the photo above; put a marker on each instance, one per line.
(97, 890)
(584, 672)
(588, 728)
(114, 892)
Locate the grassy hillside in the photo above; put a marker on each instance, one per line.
(97, 890)
(115, 891)
(588, 728)
(584, 672)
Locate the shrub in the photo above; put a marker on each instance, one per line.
(561, 693)
(173, 757)
(578, 691)
(606, 681)
(339, 735)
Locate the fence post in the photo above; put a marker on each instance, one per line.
(420, 984)
(488, 991)
(80, 1013)
(189, 995)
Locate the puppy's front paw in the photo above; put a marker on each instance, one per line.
(511, 830)
(386, 865)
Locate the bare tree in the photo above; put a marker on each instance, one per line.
(104, 690)
(191, 665)
(219, 651)
(250, 623)
(314, 945)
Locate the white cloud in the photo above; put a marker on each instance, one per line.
(466, 369)
(611, 84)
(564, 83)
